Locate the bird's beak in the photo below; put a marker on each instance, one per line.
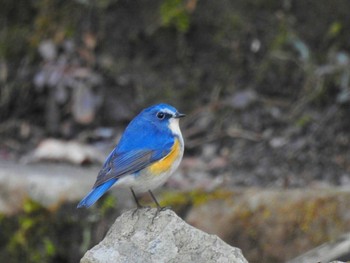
(179, 115)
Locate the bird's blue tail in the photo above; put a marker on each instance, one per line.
(95, 194)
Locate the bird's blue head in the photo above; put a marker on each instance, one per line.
(163, 115)
(152, 127)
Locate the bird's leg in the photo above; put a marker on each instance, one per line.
(136, 200)
(139, 206)
(159, 208)
(155, 200)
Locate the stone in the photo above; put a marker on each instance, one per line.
(335, 249)
(64, 151)
(49, 184)
(141, 237)
(276, 225)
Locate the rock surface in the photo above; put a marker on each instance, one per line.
(269, 225)
(135, 238)
(336, 249)
(47, 184)
(275, 225)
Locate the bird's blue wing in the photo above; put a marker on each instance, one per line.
(117, 165)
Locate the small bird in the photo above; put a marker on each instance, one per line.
(149, 151)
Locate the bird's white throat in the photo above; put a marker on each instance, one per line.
(174, 126)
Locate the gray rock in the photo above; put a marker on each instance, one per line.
(135, 238)
(49, 184)
(276, 225)
(338, 248)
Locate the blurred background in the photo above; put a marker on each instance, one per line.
(264, 84)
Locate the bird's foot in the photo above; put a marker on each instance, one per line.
(160, 209)
(138, 208)
(163, 208)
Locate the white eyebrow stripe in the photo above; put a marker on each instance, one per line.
(168, 111)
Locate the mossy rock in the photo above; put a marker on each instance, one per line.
(275, 225)
(39, 234)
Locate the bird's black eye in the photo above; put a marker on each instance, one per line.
(160, 115)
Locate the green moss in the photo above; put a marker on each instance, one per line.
(199, 197)
(304, 120)
(107, 204)
(174, 13)
(50, 248)
(195, 197)
(30, 234)
(31, 206)
(38, 234)
(335, 29)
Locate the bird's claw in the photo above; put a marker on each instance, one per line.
(138, 208)
(160, 209)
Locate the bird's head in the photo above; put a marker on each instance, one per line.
(163, 115)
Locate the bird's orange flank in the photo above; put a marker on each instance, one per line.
(164, 164)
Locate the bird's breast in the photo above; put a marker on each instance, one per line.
(168, 162)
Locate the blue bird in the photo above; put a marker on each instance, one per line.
(149, 151)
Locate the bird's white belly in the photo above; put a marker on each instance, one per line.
(143, 181)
